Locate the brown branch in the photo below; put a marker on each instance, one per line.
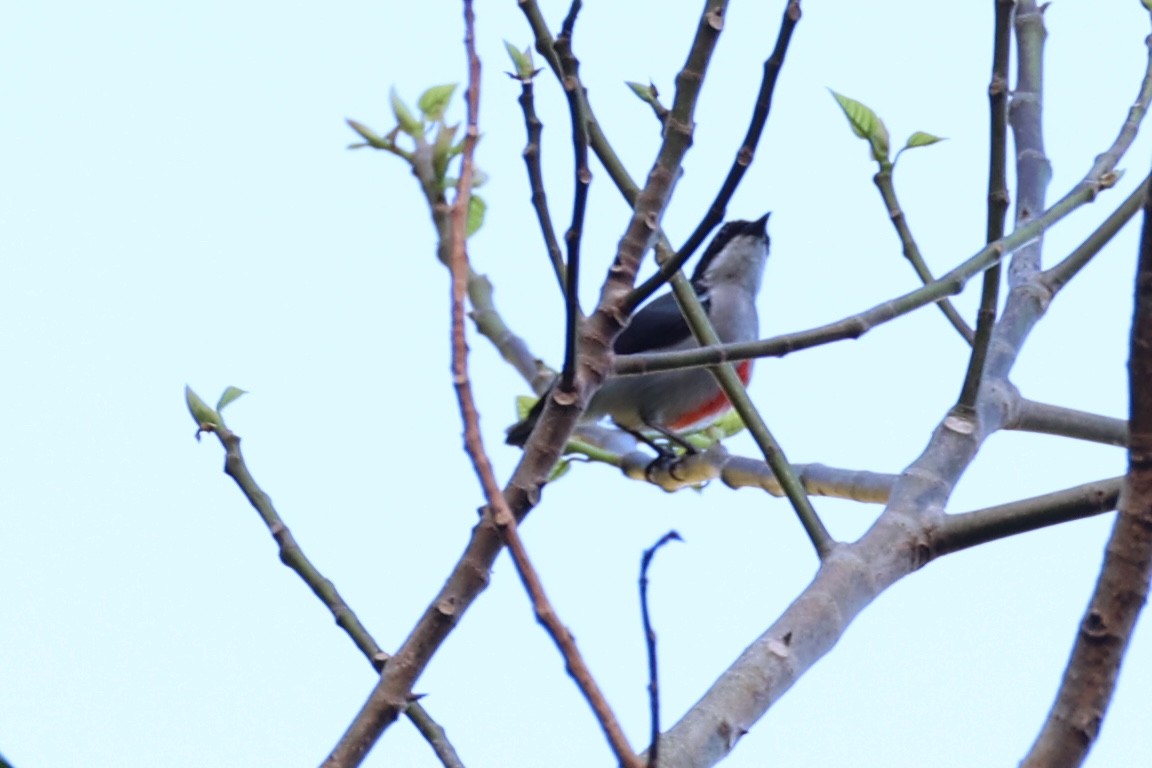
(532, 159)
(546, 615)
(389, 698)
(393, 693)
(294, 558)
(1122, 588)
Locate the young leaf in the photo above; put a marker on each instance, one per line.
(434, 101)
(408, 122)
(524, 405)
(231, 394)
(921, 139)
(476, 209)
(866, 124)
(199, 409)
(521, 61)
(643, 92)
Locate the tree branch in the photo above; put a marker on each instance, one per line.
(293, 556)
(970, 529)
(883, 181)
(582, 179)
(997, 199)
(532, 150)
(1030, 416)
(1122, 588)
(744, 155)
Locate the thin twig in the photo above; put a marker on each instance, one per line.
(884, 183)
(997, 199)
(381, 706)
(741, 163)
(565, 642)
(1059, 275)
(650, 644)
(502, 516)
(970, 529)
(737, 394)
(1030, 416)
(532, 151)
(688, 83)
(293, 556)
(855, 326)
(582, 179)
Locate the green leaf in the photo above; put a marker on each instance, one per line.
(865, 124)
(524, 405)
(434, 101)
(199, 409)
(921, 139)
(521, 62)
(643, 92)
(476, 210)
(408, 122)
(230, 395)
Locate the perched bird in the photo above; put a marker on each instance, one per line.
(670, 403)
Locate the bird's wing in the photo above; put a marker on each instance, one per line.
(657, 325)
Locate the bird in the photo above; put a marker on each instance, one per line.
(672, 403)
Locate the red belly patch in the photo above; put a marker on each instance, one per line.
(714, 407)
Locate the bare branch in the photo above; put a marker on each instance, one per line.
(1030, 416)
(650, 644)
(970, 529)
(582, 179)
(532, 152)
(1122, 588)
(293, 556)
(392, 694)
(743, 160)
(565, 642)
(997, 200)
(883, 181)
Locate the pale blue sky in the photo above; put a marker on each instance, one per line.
(178, 206)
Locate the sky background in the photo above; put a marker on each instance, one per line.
(178, 206)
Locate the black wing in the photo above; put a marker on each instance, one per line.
(658, 324)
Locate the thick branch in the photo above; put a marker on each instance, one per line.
(1122, 588)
